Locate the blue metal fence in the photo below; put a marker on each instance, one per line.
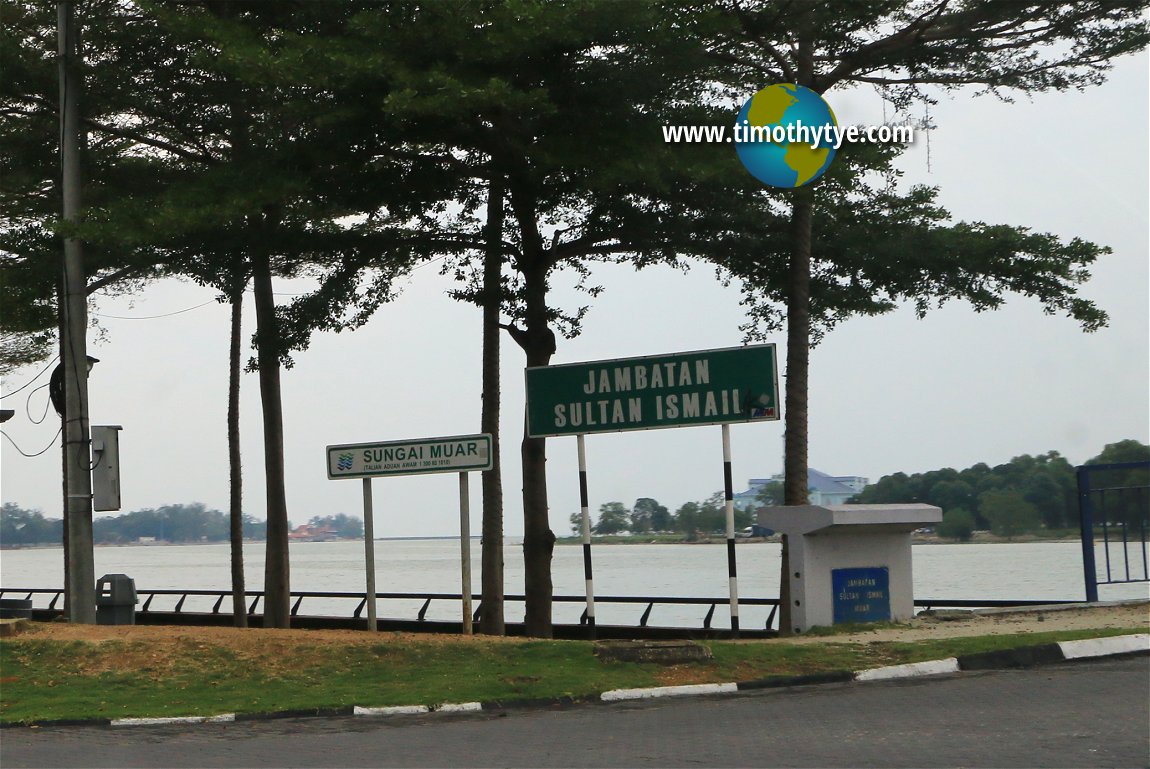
(1114, 501)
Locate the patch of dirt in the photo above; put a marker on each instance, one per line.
(997, 622)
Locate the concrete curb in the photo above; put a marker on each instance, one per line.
(909, 670)
(688, 690)
(223, 718)
(1022, 657)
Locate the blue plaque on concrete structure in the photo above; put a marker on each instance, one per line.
(861, 595)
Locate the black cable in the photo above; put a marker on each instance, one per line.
(33, 379)
(151, 317)
(28, 405)
(38, 453)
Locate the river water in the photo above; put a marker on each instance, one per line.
(1042, 570)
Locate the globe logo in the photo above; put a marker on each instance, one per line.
(785, 135)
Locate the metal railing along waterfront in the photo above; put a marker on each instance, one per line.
(213, 607)
(1114, 500)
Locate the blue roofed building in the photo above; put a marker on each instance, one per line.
(824, 489)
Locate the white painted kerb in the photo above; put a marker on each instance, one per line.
(1101, 647)
(909, 670)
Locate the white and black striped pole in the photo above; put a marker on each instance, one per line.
(585, 515)
(729, 495)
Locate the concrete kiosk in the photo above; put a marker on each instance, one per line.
(849, 563)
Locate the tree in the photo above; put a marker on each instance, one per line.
(1128, 503)
(957, 524)
(613, 519)
(1048, 497)
(601, 192)
(770, 494)
(1009, 513)
(713, 514)
(1128, 450)
(903, 48)
(27, 527)
(252, 188)
(648, 515)
(951, 495)
(687, 520)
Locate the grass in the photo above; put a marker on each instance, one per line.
(43, 680)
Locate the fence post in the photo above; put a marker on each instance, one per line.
(1086, 523)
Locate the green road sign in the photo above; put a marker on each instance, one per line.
(455, 454)
(734, 384)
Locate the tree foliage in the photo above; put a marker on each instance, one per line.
(614, 518)
(1008, 512)
(181, 523)
(340, 524)
(27, 527)
(956, 524)
(1045, 482)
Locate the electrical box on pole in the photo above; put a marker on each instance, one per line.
(106, 467)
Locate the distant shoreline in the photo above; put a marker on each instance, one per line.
(58, 546)
(979, 538)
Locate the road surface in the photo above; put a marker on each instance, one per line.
(1076, 715)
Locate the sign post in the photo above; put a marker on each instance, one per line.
(585, 529)
(465, 549)
(706, 387)
(369, 552)
(421, 456)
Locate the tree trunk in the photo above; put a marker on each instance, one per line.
(795, 488)
(235, 476)
(277, 600)
(491, 619)
(538, 343)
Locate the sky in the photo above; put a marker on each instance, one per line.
(887, 394)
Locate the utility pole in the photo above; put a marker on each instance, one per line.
(80, 571)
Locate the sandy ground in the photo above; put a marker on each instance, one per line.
(953, 624)
(947, 624)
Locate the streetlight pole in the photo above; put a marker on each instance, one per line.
(80, 571)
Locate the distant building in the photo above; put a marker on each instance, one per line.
(824, 489)
(305, 532)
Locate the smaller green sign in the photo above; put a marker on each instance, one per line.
(454, 454)
(706, 387)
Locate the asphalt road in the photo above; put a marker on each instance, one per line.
(1075, 715)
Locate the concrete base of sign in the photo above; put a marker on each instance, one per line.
(849, 563)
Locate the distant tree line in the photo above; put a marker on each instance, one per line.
(193, 522)
(1026, 494)
(647, 516)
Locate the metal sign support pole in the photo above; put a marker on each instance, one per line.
(465, 549)
(729, 494)
(369, 553)
(585, 514)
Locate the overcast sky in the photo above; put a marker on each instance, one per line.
(887, 394)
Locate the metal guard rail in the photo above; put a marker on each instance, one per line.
(650, 601)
